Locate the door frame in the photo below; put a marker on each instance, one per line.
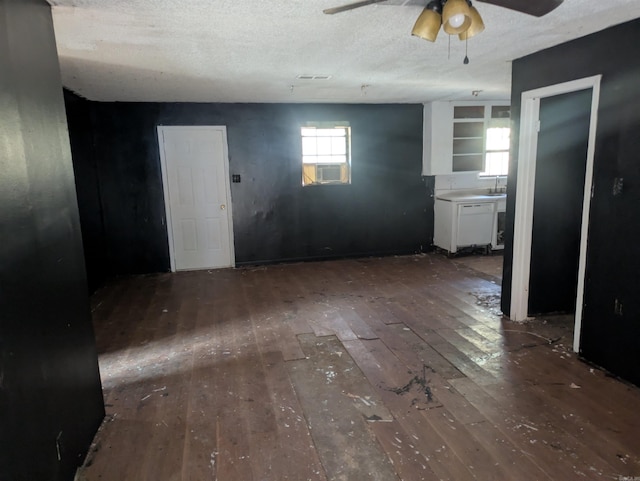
(525, 186)
(165, 184)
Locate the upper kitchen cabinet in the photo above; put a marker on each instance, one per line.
(455, 135)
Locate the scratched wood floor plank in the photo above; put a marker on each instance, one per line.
(338, 404)
(496, 460)
(464, 362)
(537, 434)
(467, 432)
(269, 316)
(561, 380)
(208, 379)
(374, 286)
(244, 401)
(411, 348)
(134, 379)
(237, 411)
(347, 323)
(294, 453)
(389, 378)
(165, 446)
(293, 297)
(315, 291)
(405, 451)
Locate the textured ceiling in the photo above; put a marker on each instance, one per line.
(254, 50)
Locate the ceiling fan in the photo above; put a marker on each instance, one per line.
(458, 17)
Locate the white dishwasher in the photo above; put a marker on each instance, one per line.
(464, 219)
(475, 224)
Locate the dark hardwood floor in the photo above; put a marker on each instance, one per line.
(397, 368)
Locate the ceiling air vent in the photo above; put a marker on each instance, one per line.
(313, 77)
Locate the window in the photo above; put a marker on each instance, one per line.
(497, 143)
(326, 153)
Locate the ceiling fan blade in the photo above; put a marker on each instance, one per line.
(350, 6)
(537, 8)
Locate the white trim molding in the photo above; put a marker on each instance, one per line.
(527, 153)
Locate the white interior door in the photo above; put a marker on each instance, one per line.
(195, 172)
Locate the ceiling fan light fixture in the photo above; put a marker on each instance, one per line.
(428, 24)
(477, 25)
(456, 16)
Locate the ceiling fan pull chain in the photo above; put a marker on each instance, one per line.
(449, 48)
(466, 49)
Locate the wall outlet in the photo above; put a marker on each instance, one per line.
(617, 308)
(618, 184)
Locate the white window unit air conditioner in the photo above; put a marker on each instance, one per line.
(328, 172)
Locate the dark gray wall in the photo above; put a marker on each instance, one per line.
(87, 188)
(610, 337)
(386, 210)
(50, 395)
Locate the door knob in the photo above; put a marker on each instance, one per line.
(223, 207)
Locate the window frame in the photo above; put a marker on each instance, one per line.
(493, 120)
(310, 174)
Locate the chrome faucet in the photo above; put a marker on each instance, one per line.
(496, 189)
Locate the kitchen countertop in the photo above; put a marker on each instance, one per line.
(471, 197)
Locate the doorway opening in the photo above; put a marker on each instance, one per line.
(530, 264)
